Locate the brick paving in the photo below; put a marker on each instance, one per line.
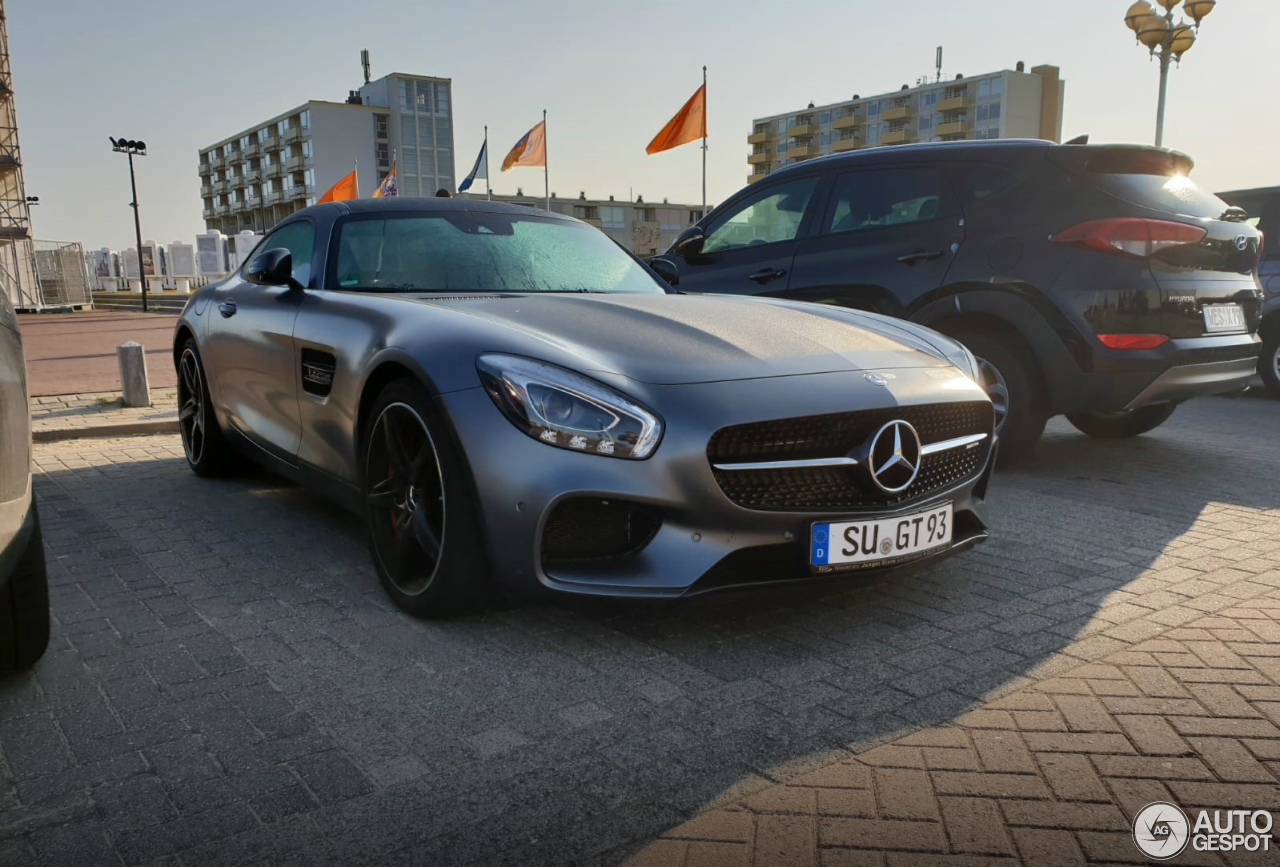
(226, 683)
(70, 353)
(69, 415)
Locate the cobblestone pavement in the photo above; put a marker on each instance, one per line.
(226, 683)
(76, 413)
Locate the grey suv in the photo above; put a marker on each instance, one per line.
(24, 586)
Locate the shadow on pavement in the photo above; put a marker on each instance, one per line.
(247, 616)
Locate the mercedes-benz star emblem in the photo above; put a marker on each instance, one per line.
(894, 458)
(1242, 242)
(875, 379)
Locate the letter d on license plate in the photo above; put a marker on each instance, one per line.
(878, 542)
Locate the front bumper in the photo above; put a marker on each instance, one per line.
(17, 521)
(704, 541)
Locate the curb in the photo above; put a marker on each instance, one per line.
(100, 431)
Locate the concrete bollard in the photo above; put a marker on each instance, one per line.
(134, 388)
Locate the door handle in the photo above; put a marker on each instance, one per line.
(919, 256)
(227, 308)
(764, 275)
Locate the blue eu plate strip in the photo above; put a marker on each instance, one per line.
(819, 550)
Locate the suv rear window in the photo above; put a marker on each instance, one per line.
(1153, 179)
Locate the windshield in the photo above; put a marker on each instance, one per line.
(470, 251)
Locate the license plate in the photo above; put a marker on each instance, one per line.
(880, 542)
(1223, 317)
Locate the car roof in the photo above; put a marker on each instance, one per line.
(423, 205)
(920, 151)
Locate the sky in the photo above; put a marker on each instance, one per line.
(181, 74)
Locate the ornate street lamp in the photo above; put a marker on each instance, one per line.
(1166, 38)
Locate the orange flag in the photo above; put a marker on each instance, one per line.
(689, 124)
(531, 150)
(341, 191)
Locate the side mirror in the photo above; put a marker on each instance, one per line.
(272, 268)
(666, 269)
(689, 242)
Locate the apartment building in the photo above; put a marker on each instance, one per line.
(260, 175)
(644, 228)
(1006, 104)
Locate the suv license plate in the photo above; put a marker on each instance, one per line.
(1223, 317)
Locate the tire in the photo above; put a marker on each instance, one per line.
(1123, 423)
(206, 447)
(420, 507)
(1012, 380)
(1269, 361)
(24, 608)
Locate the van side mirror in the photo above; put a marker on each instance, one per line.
(666, 269)
(689, 242)
(273, 267)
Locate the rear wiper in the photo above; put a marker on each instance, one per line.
(1234, 214)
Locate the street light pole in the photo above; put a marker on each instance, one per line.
(137, 228)
(1166, 39)
(130, 147)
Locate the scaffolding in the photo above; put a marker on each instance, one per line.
(18, 277)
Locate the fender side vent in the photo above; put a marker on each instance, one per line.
(317, 372)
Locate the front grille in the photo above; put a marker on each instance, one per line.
(1211, 354)
(843, 488)
(582, 529)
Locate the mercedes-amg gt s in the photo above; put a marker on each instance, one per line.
(510, 399)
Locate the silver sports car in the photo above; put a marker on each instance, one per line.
(511, 400)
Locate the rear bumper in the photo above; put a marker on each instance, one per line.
(1179, 370)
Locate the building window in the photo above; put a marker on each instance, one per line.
(310, 176)
(380, 125)
(997, 86)
(983, 111)
(586, 212)
(694, 216)
(926, 122)
(612, 217)
(306, 148)
(782, 126)
(304, 119)
(825, 118)
(873, 110)
(442, 98)
(282, 125)
(994, 112)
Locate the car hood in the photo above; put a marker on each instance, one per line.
(680, 339)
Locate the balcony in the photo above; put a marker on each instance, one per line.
(807, 128)
(292, 134)
(951, 127)
(953, 103)
(253, 149)
(274, 170)
(758, 138)
(297, 191)
(296, 164)
(272, 198)
(897, 136)
(846, 121)
(802, 151)
(218, 187)
(757, 159)
(252, 176)
(271, 143)
(755, 176)
(236, 157)
(206, 191)
(898, 112)
(841, 145)
(209, 213)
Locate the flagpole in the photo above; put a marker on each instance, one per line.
(488, 184)
(546, 176)
(355, 172)
(704, 141)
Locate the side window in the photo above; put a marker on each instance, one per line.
(977, 183)
(773, 215)
(887, 197)
(299, 239)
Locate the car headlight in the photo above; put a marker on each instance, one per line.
(567, 410)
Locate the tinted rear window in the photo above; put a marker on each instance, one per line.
(1153, 179)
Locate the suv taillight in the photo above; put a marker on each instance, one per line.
(1130, 236)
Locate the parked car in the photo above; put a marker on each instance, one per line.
(506, 393)
(24, 586)
(1263, 208)
(1097, 281)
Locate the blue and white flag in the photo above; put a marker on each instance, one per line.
(479, 170)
